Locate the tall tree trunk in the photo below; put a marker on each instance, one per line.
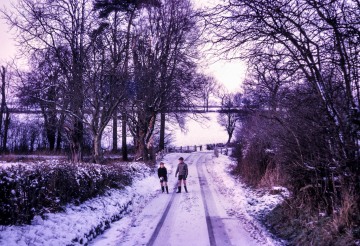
(230, 133)
(58, 140)
(50, 126)
(59, 132)
(3, 102)
(32, 141)
(114, 135)
(126, 70)
(97, 148)
(6, 129)
(77, 91)
(231, 127)
(51, 136)
(144, 136)
(141, 150)
(77, 130)
(162, 131)
(149, 138)
(124, 149)
(76, 142)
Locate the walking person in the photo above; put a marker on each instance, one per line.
(182, 170)
(162, 174)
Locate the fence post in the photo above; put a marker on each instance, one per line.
(216, 151)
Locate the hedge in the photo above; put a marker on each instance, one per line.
(36, 189)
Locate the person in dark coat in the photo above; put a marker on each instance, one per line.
(162, 174)
(182, 170)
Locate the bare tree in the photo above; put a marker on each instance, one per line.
(40, 27)
(305, 42)
(4, 112)
(270, 74)
(164, 71)
(228, 117)
(105, 8)
(105, 82)
(210, 88)
(43, 87)
(77, 51)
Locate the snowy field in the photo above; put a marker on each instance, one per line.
(135, 216)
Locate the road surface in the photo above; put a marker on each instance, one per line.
(194, 218)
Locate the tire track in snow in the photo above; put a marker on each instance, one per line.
(207, 201)
(237, 210)
(203, 181)
(218, 220)
(163, 217)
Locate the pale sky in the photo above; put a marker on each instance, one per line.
(206, 132)
(229, 73)
(7, 44)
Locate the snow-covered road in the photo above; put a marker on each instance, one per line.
(204, 216)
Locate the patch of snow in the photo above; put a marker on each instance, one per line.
(249, 205)
(79, 224)
(269, 151)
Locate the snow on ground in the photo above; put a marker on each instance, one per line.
(4, 164)
(186, 220)
(134, 213)
(16, 160)
(138, 227)
(78, 223)
(249, 205)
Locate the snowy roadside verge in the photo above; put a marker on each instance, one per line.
(79, 224)
(247, 204)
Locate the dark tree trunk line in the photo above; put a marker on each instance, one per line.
(162, 131)
(4, 111)
(115, 131)
(124, 149)
(3, 99)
